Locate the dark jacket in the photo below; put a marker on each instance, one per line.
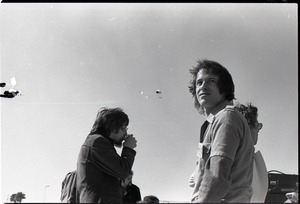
(68, 188)
(99, 170)
(132, 194)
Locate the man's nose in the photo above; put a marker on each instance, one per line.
(203, 86)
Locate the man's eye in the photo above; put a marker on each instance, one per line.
(199, 83)
(212, 81)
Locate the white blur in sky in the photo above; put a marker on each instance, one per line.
(69, 60)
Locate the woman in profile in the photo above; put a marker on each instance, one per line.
(260, 173)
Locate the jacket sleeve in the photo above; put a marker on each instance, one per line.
(106, 158)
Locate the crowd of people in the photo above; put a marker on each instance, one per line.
(227, 168)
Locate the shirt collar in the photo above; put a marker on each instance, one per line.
(210, 118)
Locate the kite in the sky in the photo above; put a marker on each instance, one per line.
(11, 92)
(145, 94)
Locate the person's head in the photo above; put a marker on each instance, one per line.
(128, 180)
(250, 112)
(111, 123)
(150, 199)
(211, 84)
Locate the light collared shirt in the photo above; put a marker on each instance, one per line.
(224, 167)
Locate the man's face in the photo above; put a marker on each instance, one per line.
(207, 90)
(118, 136)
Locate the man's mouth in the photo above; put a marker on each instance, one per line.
(203, 94)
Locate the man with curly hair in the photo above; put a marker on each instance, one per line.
(224, 166)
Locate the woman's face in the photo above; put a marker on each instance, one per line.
(255, 130)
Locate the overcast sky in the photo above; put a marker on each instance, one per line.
(69, 60)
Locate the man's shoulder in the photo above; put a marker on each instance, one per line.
(230, 114)
(96, 139)
(229, 111)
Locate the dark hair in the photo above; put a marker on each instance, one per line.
(225, 83)
(108, 120)
(150, 199)
(250, 113)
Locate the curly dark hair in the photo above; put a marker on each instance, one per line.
(250, 113)
(108, 120)
(225, 83)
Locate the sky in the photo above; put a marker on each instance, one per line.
(69, 60)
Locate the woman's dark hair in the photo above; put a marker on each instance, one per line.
(108, 120)
(250, 113)
(225, 83)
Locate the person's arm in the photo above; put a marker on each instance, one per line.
(216, 181)
(228, 128)
(108, 160)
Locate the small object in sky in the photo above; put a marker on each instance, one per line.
(13, 83)
(144, 94)
(11, 93)
(8, 94)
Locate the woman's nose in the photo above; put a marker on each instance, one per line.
(260, 125)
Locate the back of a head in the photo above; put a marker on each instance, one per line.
(250, 113)
(150, 199)
(108, 120)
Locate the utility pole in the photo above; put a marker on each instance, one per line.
(45, 191)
